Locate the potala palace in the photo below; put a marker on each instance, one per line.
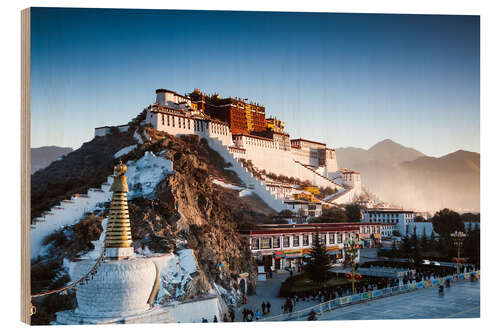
(240, 132)
(116, 284)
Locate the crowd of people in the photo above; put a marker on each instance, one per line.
(250, 315)
(365, 285)
(329, 293)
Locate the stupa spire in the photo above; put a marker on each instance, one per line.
(118, 239)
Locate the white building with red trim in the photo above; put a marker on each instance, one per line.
(282, 246)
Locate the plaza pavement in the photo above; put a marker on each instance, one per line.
(461, 300)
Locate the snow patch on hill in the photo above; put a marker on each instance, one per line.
(226, 185)
(124, 151)
(144, 175)
(175, 272)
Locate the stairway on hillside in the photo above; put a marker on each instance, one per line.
(337, 186)
(247, 177)
(67, 213)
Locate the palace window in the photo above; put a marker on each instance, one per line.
(265, 243)
(180, 122)
(322, 239)
(296, 241)
(163, 119)
(184, 122)
(286, 241)
(189, 124)
(305, 240)
(173, 121)
(168, 120)
(331, 238)
(276, 242)
(255, 243)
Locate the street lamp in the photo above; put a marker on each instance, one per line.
(458, 238)
(351, 248)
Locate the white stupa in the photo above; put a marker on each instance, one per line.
(123, 287)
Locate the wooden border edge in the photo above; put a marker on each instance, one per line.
(25, 166)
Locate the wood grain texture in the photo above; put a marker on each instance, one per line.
(25, 166)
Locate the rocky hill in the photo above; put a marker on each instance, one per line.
(42, 157)
(187, 211)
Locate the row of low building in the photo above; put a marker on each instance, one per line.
(278, 246)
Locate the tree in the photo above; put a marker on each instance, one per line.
(419, 218)
(423, 241)
(353, 212)
(415, 253)
(406, 247)
(394, 249)
(414, 238)
(471, 217)
(443, 246)
(319, 263)
(331, 215)
(472, 247)
(432, 241)
(286, 213)
(447, 221)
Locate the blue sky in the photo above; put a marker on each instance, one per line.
(345, 79)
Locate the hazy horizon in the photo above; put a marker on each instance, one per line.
(350, 80)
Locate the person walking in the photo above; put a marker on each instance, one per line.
(231, 315)
(312, 315)
(250, 315)
(263, 306)
(257, 315)
(215, 319)
(268, 305)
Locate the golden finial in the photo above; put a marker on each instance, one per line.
(118, 233)
(120, 169)
(120, 182)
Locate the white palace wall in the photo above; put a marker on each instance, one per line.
(281, 162)
(258, 187)
(182, 125)
(262, 153)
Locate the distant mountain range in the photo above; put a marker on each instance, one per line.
(405, 176)
(43, 156)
